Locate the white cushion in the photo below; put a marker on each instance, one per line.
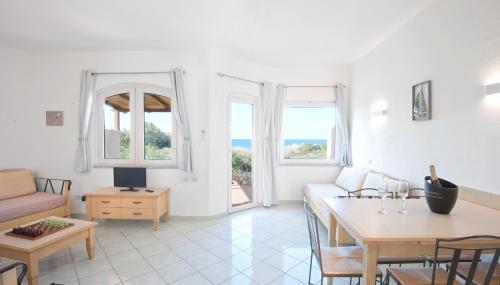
(392, 184)
(351, 179)
(373, 180)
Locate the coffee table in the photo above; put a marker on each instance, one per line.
(31, 251)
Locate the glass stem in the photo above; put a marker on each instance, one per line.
(404, 204)
(383, 204)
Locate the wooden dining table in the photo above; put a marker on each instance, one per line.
(395, 234)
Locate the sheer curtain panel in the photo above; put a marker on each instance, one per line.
(87, 86)
(342, 131)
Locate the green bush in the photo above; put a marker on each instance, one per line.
(157, 144)
(241, 160)
(305, 151)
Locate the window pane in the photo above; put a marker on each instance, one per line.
(117, 126)
(157, 127)
(308, 132)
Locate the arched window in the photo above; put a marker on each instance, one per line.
(136, 125)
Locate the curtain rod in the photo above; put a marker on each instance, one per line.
(239, 78)
(139, 72)
(312, 86)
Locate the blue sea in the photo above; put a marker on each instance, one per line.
(246, 143)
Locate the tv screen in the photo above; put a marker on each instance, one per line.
(129, 177)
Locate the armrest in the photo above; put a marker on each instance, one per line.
(49, 184)
(24, 269)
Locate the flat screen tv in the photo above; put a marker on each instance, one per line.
(129, 177)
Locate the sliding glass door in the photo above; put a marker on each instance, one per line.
(241, 192)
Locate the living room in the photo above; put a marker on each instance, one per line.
(306, 93)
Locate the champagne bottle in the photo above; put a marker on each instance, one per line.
(434, 178)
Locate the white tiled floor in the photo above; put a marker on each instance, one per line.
(257, 246)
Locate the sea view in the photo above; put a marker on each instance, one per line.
(246, 143)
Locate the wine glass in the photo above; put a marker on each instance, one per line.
(403, 191)
(383, 192)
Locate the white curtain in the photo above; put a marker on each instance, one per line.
(342, 132)
(179, 98)
(87, 86)
(277, 123)
(267, 187)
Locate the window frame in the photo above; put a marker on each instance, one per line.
(141, 89)
(136, 91)
(290, 161)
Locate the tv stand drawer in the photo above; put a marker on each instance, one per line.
(137, 214)
(106, 202)
(137, 203)
(107, 213)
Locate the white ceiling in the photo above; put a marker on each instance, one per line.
(275, 32)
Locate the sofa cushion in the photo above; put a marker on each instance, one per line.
(351, 179)
(373, 180)
(29, 204)
(315, 192)
(16, 183)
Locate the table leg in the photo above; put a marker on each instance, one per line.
(91, 243)
(32, 270)
(165, 217)
(332, 238)
(9, 277)
(156, 223)
(332, 231)
(343, 236)
(369, 264)
(89, 209)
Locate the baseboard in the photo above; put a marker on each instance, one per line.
(172, 218)
(281, 203)
(196, 218)
(290, 202)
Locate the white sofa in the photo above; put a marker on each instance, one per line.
(350, 179)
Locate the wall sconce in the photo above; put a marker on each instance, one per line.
(379, 113)
(491, 89)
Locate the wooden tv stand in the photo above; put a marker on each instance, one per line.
(111, 203)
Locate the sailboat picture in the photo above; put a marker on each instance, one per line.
(421, 103)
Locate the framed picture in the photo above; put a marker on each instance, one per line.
(421, 101)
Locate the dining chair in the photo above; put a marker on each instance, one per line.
(472, 273)
(333, 262)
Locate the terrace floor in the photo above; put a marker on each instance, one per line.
(241, 194)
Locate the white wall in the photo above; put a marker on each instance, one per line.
(35, 83)
(290, 179)
(15, 129)
(52, 82)
(456, 44)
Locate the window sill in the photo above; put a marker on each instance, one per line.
(308, 163)
(148, 166)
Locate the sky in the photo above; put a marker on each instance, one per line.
(298, 123)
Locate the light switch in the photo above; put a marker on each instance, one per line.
(54, 118)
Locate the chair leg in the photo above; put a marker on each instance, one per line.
(310, 270)
(321, 280)
(350, 280)
(387, 278)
